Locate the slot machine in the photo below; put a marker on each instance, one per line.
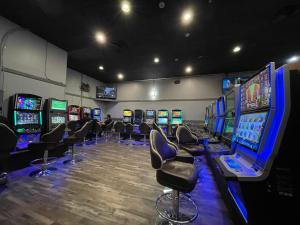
(163, 120)
(138, 116)
(150, 116)
(176, 120)
(97, 114)
(127, 116)
(55, 113)
(85, 112)
(26, 116)
(74, 113)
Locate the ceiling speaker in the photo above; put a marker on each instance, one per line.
(177, 82)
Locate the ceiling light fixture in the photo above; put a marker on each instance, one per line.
(101, 67)
(236, 49)
(188, 69)
(156, 60)
(126, 7)
(293, 59)
(187, 16)
(120, 76)
(100, 37)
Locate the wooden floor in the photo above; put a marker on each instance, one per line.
(114, 184)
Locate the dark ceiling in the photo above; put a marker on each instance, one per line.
(267, 30)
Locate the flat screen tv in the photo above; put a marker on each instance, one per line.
(256, 92)
(250, 129)
(58, 105)
(106, 92)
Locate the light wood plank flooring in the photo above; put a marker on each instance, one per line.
(114, 184)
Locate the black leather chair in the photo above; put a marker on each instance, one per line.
(107, 130)
(188, 141)
(77, 137)
(119, 128)
(10, 141)
(145, 130)
(48, 142)
(129, 131)
(179, 176)
(181, 155)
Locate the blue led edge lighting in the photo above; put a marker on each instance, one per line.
(277, 119)
(239, 203)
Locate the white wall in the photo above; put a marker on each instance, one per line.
(74, 94)
(192, 95)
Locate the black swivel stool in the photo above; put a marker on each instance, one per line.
(6, 146)
(48, 142)
(98, 130)
(72, 126)
(119, 128)
(179, 176)
(188, 141)
(77, 137)
(107, 130)
(145, 131)
(129, 131)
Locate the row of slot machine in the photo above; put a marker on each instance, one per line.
(162, 118)
(29, 119)
(250, 148)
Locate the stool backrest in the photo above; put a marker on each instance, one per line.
(119, 126)
(185, 136)
(83, 131)
(71, 125)
(55, 135)
(164, 136)
(109, 126)
(129, 128)
(145, 128)
(160, 150)
(9, 137)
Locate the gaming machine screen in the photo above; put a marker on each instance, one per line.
(87, 110)
(176, 121)
(163, 114)
(127, 113)
(97, 112)
(176, 113)
(74, 109)
(28, 103)
(58, 105)
(250, 129)
(228, 128)
(162, 121)
(256, 93)
(58, 119)
(74, 117)
(24, 118)
(150, 113)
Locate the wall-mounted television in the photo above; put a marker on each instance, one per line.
(106, 92)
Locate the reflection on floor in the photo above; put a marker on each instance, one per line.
(114, 184)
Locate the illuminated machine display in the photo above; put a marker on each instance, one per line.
(55, 113)
(206, 118)
(85, 112)
(176, 120)
(150, 116)
(212, 118)
(73, 112)
(26, 116)
(220, 114)
(138, 116)
(97, 114)
(260, 172)
(163, 120)
(127, 116)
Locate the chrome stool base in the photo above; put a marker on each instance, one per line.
(43, 167)
(72, 161)
(176, 209)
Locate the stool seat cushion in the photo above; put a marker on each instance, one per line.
(184, 156)
(193, 149)
(177, 175)
(71, 140)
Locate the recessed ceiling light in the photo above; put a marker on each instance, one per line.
(120, 76)
(187, 16)
(188, 69)
(293, 59)
(126, 7)
(101, 67)
(161, 4)
(100, 37)
(187, 35)
(156, 60)
(236, 49)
